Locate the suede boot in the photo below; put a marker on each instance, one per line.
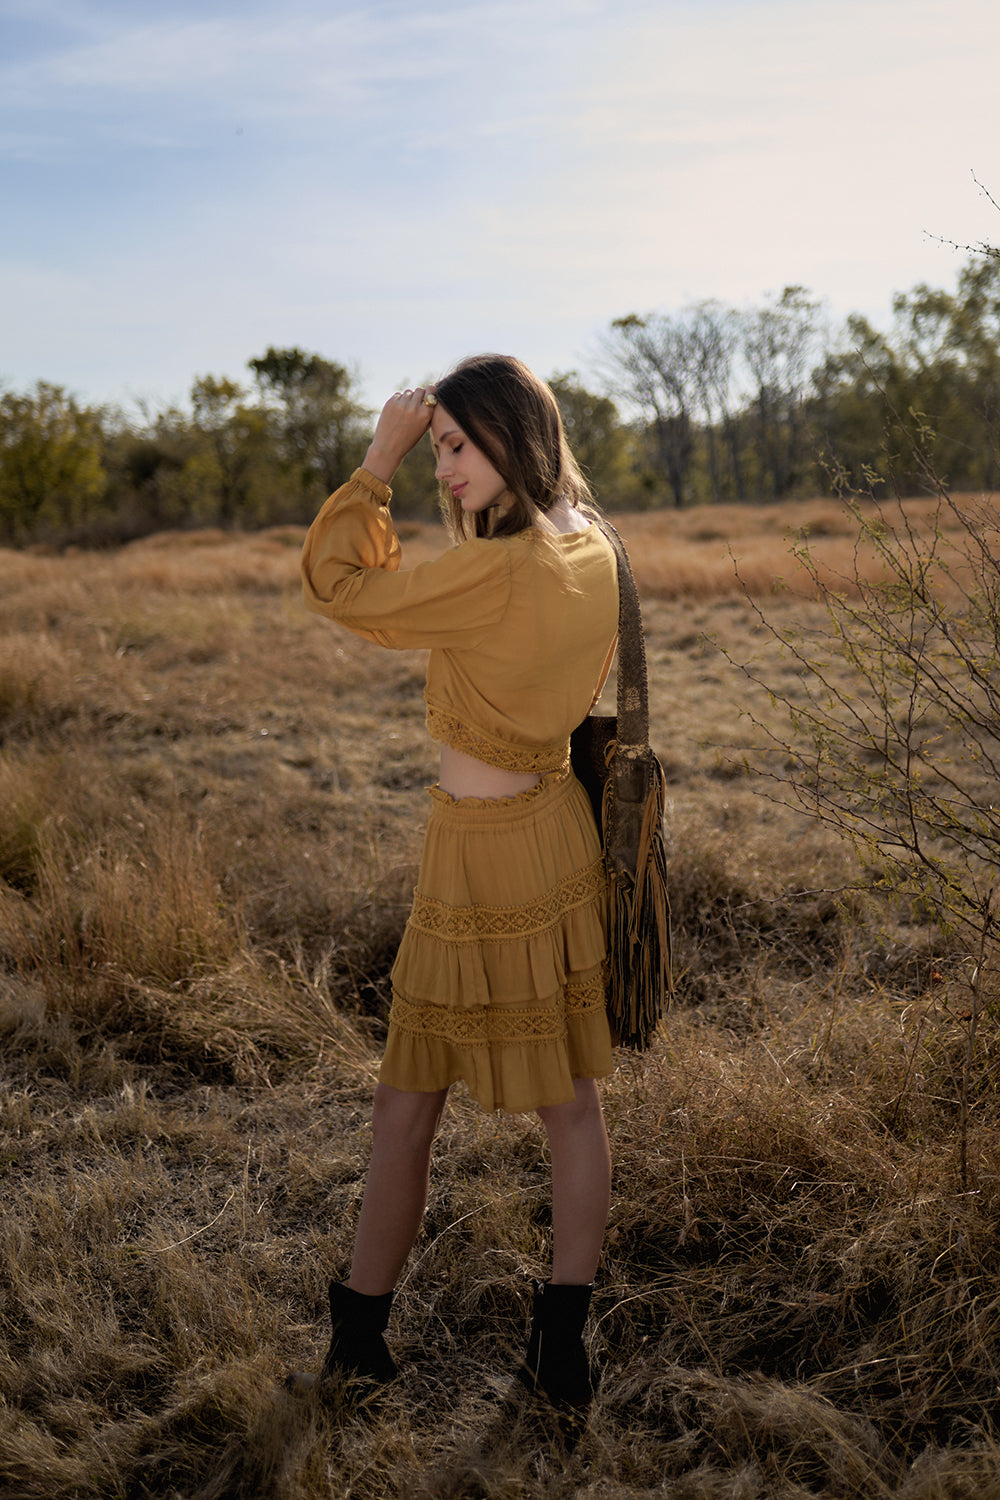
(556, 1365)
(356, 1344)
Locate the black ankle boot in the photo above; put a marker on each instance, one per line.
(556, 1364)
(356, 1345)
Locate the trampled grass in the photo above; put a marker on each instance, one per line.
(210, 811)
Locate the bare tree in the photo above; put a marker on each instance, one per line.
(714, 334)
(652, 362)
(779, 343)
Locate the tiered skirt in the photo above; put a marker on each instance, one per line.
(500, 976)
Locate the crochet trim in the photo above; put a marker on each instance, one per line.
(490, 1025)
(447, 729)
(483, 924)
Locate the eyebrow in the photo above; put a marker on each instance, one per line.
(452, 432)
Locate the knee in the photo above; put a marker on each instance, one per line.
(583, 1111)
(405, 1117)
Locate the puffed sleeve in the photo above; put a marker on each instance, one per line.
(351, 574)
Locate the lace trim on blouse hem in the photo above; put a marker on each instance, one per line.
(446, 728)
(490, 1025)
(480, 924)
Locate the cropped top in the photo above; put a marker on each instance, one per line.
(520, 638)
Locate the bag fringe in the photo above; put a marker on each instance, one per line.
(639, 944)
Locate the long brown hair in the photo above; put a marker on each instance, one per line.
(514, 419)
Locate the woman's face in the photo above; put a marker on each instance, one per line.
(462, 466)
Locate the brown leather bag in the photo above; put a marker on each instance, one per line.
(611, 756)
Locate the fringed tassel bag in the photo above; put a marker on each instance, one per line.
(611, 756)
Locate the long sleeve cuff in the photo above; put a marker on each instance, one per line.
(377, 488)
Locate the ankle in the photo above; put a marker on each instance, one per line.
(367, 1286)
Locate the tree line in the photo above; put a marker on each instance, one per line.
(706, 404)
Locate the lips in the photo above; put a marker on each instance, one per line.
(457, 489)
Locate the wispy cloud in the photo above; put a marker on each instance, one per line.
(394, 184)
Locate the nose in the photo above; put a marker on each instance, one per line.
(443, 467)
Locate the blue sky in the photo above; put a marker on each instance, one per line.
(394, 185)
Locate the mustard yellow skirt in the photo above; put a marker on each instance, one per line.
(499, 979)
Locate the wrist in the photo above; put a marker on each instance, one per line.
(382, 462)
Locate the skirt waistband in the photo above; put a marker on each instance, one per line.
(551, 790)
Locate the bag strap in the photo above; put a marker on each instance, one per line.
(633, 689)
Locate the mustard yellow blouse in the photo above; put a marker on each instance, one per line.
(520, 629)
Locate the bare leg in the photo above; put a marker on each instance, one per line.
(581, 1183)
(403, 1128)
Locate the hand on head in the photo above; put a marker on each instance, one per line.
(404, 419)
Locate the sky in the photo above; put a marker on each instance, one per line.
(394, 184)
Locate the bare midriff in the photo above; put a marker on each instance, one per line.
(463, 776)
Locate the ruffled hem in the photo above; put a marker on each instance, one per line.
(502, 1070)
(464, 957)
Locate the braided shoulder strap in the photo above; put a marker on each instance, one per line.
(633, 689)
(639, 979)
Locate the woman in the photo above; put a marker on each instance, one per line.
(499, 979)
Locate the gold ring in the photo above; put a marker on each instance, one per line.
(430, 399)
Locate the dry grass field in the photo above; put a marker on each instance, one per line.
(210, 811)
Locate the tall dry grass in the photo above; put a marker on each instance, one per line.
(714, 551)
(211, 810)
